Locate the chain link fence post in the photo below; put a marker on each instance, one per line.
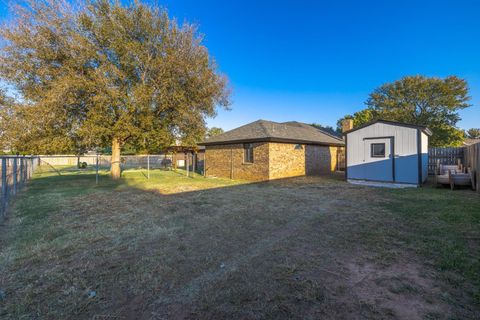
(96, 170)
(14, 175)
(4, 185)
(148, 166)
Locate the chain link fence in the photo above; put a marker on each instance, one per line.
(15, 171)
(154, 161)
(187, 161)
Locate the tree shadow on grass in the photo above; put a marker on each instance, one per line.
(276, 249)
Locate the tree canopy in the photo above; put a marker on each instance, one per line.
(359, 118)
(105, 73)
(432, 102)
(213, 131)
(473, 133)
(327, 129)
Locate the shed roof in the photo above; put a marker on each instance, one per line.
(424, 129)
(269, 131)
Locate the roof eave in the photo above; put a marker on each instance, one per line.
(402, 124)
(271, 139)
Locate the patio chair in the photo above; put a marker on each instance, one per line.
(455, 175)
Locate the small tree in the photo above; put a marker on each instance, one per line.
(213, 131)
(473, 133)
(106, 73)
(359, 118)
(327, 129)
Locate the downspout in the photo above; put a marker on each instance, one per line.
(205, 162)
(231, 163)
(346, 157)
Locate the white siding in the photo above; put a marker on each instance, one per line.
(424, 157)
(406, 153)
(424, 143)
(405, 141)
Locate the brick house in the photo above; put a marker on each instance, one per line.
(265, 150)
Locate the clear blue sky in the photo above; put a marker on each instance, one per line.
(315, 61)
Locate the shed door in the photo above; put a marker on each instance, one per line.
(378, 159)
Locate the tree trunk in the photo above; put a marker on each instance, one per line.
(115, 162)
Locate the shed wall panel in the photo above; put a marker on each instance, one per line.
(424, 151)
(362, 166)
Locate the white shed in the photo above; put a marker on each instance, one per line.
(387, 151)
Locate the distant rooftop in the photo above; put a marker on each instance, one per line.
(269, 131)
(469, 142)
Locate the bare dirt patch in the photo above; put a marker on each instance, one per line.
(402, 289)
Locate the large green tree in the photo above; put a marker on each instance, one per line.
(433, 102)
(104, 73)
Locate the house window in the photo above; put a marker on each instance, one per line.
(248, 153)
(298, 147)
(378, 150)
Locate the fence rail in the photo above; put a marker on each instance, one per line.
(445, 156)
(15, 171)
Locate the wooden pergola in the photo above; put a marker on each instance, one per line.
(186, 151)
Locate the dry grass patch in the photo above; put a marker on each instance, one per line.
(312, 247)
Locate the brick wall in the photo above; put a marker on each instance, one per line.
(286, 161)
(271, 161)
(226, 161)
(320, 159)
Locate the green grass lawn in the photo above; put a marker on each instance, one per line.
(189, 247)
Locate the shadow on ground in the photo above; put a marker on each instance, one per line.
(307, 247)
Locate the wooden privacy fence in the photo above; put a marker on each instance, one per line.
(445, 156)
(15, 171)
(472, 160)
(341, 159)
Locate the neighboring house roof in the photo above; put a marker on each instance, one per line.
(424, 129)
(269, 131)
(469, 142)
(181, 149)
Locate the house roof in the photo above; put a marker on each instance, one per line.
(424, 129)
(269, 131)
(469, 142)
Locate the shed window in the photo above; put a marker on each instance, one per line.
(248, 153)
(378, 150)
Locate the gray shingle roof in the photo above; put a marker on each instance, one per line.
(262, 130)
